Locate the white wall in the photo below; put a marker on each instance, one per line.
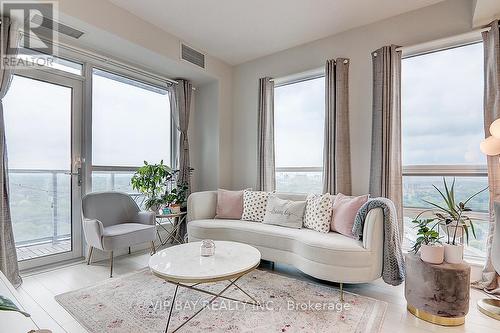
(444, 19)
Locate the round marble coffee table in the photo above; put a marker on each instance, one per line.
(183, 266)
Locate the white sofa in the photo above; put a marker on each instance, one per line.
(327, 256)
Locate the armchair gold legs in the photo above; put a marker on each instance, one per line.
(153, 248)
(91, 252)
(111, 265)
(89, 258)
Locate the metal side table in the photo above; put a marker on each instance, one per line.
(174, 223)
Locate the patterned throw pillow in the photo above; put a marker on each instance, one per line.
(318, 212)
(285, 213)
(254, 205)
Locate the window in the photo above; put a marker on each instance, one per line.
(130, 125)
(299, 116)
(30, 57)
(41, 189)
(442, 119)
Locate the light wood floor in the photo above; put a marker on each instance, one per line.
(39, 289)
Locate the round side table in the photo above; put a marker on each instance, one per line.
(437, 293)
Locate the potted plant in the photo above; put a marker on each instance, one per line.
(454, 222)
(153, 181)
(428, 241)
(176, 199)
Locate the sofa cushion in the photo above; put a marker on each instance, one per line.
(286, 213)
(344, 211)
(229, 204)
(125, 234)
(327, 248)
(318, 212)
(254, 205)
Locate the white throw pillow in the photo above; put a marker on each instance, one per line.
(285, 213)
(318, 212)
(254, 205)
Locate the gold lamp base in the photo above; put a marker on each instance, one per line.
(490, 307)
(438, 320)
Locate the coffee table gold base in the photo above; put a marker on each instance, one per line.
(214, 297)
(438, 320)
(490, 307)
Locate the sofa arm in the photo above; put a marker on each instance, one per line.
(145, 217)
(93, 230)
(201, 205)
(373, 230)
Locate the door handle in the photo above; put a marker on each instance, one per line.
(78, 174)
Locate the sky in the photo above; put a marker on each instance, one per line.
(299, 117)
(442, 107)
(130, 124)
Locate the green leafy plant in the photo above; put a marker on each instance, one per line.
(426, 234)
(158, 183)
(153, 180)
(451, 214)
(177, 195)
(7, 305)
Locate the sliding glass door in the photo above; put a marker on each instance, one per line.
(42, 113)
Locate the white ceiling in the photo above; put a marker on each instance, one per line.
(240, 30)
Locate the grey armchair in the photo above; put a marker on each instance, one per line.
(112, 221)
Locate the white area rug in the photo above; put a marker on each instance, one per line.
(140, 302)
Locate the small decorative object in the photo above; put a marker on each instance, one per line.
(452, 220)
(428, 241)
(207, 248)
(175, 208)
(7, 305)
(166, 211)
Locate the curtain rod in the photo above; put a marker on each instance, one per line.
(107, 60)
(478, 30)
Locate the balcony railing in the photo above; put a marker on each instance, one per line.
(40, 202)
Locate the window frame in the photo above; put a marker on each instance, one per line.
(445, 170)
(119, 169)
(293, 79)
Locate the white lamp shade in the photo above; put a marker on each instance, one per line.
(490, 146)
(495, 128)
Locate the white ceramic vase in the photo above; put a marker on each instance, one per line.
(433, 254)
(453, 254)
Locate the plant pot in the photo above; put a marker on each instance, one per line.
(453, 254)
(433, 254)
(175, 208)
(450, 230)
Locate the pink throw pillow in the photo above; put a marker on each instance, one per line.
(344, 212)
(229, 204)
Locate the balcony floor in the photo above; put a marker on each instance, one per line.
(34, 251)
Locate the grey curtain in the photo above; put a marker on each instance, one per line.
(8, 255)
(181, 107)
(386, 164)
(490, 281)
(337, 152)
(266, 180)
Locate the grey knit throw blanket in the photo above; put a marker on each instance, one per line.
(393, 269)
